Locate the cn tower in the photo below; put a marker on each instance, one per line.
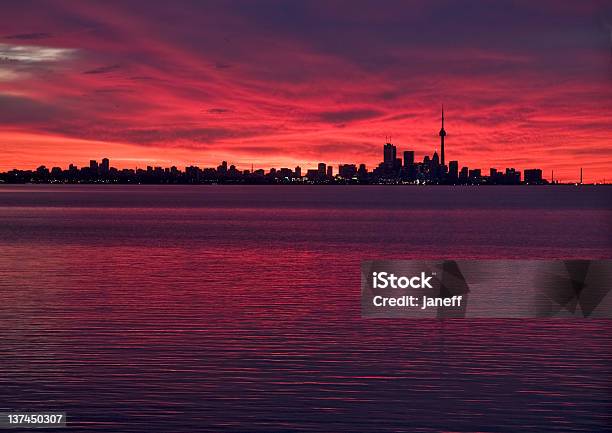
(442, 135)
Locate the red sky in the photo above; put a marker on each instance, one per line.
(273, 83)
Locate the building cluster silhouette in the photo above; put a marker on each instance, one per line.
(392, 170)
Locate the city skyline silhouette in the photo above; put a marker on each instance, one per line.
(392, 170)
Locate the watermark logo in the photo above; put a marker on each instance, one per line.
(382, 280)
(486, 288)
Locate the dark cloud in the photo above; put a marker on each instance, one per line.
(103, 69)
(187, 137)
(591, 151)
(267, 150)
(19, 110)
(115, 90)
(347, 116)
(402, 116)
(29, 36)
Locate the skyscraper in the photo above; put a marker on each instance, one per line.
(222, 169)
(533, 176)
(105, 166)
(390, 153)
(347, 171)
(321, 169)
(408, 158)
(453, 170)
(442, 135)
(362, 172)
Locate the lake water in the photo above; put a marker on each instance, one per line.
(237, 308)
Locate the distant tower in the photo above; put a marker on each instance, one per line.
(105, 166)
(389, 155)
(321, 169)
(442, 135)
(408, 158)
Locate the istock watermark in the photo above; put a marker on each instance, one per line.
(486, 288)
(383, 280)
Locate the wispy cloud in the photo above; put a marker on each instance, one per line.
(29, 36)
(102, 69)
(33, 53)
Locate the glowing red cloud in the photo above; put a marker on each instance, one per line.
(172, 86)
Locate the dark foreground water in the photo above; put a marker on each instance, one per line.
(236, 308)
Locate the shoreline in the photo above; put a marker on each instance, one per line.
(293, 184)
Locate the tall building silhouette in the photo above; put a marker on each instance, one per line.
(389, 155)
(105, 166)
(435, 159)
(453, 170)
(442, 135)
(321, 168)
(408, 158)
